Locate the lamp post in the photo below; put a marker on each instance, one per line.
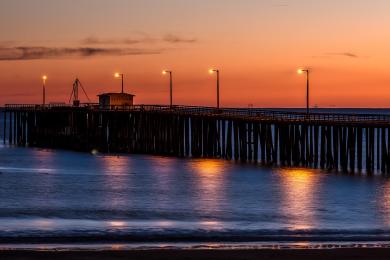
(212, 71)
(120, 75)
(44, 78)
(170, 86)
(307, 71)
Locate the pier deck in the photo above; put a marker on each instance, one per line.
(334, 141)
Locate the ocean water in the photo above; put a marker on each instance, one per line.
(64, 197)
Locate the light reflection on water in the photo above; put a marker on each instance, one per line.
(115, 165)
(44, 224)
(384, 203)
(98, 194)
(300, 188)
(210, 182)
(116, 179)
(117, 224)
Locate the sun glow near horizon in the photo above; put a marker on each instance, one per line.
(346, 44)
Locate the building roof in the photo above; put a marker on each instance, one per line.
(115, 94)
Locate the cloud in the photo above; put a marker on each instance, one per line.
(168, 38)
(126, 41)
(345, 54)
(37, 53)
(171, 38)
(90, 46)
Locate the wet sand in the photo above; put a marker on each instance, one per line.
(317, 254)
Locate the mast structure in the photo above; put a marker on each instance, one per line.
(74, 95)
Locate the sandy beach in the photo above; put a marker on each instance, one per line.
(345, 254)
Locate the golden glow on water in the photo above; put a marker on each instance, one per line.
(299, 192)
(117, 224)
(118, 247)
(208, 167)
(210, 181)
(211, 224)
(116, 165)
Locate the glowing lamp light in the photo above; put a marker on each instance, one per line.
(44, 77)
(164, 72)
(211, 71)
(306, 71)
(301, 71)
(119, 75)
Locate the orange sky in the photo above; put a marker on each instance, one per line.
(257, 45)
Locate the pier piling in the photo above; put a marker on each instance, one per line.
(348, 143)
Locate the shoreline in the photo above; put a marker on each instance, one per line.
(188, 246)
(318, 254)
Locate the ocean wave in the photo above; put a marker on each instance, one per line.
(113, 246)
(191, 235)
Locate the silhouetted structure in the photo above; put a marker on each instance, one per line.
(114, 100)
(74, 95)
(344, 142)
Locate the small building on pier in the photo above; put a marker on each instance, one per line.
(110, 100)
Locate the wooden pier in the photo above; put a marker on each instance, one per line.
(344, 142)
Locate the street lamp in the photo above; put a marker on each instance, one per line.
(120, 75)
(212, 71)
(165, 72)
(44, 78)
(307, 71)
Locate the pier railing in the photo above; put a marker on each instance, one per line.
(330, 141)
(244, 113)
